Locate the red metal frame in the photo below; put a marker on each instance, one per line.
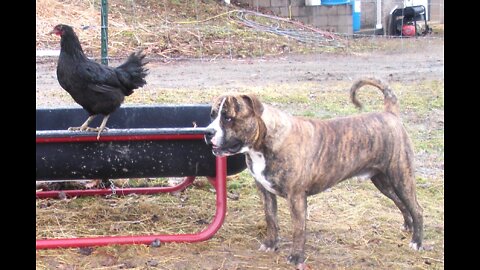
(219, 182)
(120, 191)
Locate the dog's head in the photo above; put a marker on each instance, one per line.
(236, 124)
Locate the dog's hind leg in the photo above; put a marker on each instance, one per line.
(270, 207)
(382, 184)
(404, 186)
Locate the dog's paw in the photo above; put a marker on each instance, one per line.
(415, 246)
(296, 260)
(302, 266)
(269, 246)
(265, 248)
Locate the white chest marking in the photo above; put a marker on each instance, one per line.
(258, 167)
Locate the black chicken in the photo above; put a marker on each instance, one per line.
(99, 89)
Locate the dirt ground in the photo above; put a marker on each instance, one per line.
(425, 61)
(407, 64)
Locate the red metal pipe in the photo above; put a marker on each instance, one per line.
(221, 208)
(120, 191)
(108, 138)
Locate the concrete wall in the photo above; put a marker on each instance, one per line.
(368, 14)
(336, 18)
(437, 11)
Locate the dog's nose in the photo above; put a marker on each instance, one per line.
(209, 133)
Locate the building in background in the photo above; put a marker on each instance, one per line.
(345, 16)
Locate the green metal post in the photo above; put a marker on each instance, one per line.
(104, 32)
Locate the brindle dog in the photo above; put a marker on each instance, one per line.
(295, 157)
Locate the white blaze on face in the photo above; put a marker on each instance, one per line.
(217, 138)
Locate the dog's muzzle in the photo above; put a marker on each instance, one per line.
(209, 137)
(223, 149)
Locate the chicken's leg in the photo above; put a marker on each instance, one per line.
(102, 126)
(84, 126)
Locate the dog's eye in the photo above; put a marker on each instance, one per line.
(228, 119)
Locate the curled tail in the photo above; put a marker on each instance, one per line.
(132, 72)
(391, 104)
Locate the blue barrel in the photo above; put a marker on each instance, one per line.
(334, 2)
(355, 14)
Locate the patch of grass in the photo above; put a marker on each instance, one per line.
(279, 95)
(428, 140)
(423, 97)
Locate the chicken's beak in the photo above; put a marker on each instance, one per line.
(52, 32)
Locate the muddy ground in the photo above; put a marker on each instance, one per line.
(422, 62)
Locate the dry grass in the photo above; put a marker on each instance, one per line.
(182, 28)
(167, 29)
(351, 226)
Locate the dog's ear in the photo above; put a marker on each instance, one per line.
(254, 103)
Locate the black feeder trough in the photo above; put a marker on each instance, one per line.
(141, 142)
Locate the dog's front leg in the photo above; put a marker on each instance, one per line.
(298, 212)
(270, 207)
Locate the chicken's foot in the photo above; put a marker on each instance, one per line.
(84, 126)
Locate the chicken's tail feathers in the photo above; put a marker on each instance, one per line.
(132, 72)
